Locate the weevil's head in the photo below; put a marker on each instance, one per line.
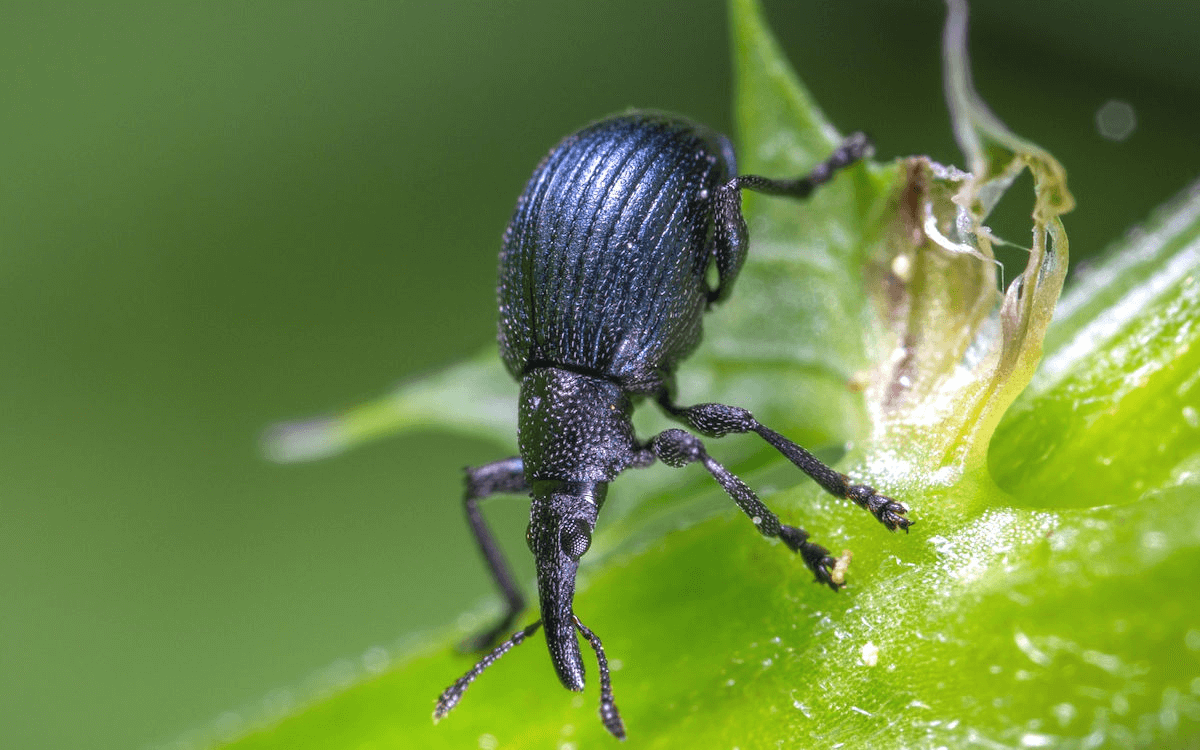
(575, 437)
(561, 520)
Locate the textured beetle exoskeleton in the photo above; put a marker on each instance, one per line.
(603, 288)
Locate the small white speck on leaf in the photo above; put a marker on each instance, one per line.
(870, 654)
(840, 566)
(1191, 416)
(1032, 739)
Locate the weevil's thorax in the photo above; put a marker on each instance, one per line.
(575, 438)
(573, 427)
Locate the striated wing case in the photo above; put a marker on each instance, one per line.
(603, 265)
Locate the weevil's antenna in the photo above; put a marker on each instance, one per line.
(609, 715)
(453, 694)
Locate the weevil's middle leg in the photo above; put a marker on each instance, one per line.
(718, 420)
(507, 477)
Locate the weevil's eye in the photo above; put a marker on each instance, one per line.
(529, 537)
(575, 538)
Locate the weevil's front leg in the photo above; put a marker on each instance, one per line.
(718, 420)
(678, 448)
(507, 477)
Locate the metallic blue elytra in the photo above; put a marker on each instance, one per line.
(604, 282)
(617, 214)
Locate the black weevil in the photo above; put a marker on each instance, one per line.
(603, 287)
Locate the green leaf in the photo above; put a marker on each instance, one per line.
(1113, 411)
(434, 401)
(1043, 600)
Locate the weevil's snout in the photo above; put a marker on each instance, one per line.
(560, 635)
(560, 531)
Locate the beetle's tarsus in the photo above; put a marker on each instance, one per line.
(821, 563)
(498, 477)
(889, 512)
(856, 146)
(816, 558)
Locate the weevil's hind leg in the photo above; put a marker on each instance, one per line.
(729, 238)
(678, 448)
(718, 420)
(855, 147)
(507, 477)
(729, 228)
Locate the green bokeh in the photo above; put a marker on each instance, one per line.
(215, 217)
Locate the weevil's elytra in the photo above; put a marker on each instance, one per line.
(603, 287)
(613, 217)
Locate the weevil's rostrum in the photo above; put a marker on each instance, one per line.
(604, 282)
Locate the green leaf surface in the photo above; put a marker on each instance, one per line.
(1044, 599)
(1113, 411)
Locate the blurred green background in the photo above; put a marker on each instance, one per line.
(217, 216)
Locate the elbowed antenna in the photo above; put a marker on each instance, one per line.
(453, 694)
(609, 715)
